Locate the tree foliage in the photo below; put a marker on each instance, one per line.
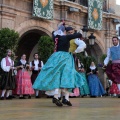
(102, 58)
(45, 47)
(86, 60)
(8, 40)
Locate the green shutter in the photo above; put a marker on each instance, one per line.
(43, 9)
(95, 12)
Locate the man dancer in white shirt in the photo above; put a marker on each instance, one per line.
(35, 66)
(113, 70)
(8, 79)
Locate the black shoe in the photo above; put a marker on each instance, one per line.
(37, 96)
(118, 96)
(63, 100)
(82, 96)
(59, 98)
(93, 96)
(57, 102)
(66, 102)
(2, 98)
(53, 100)
(29, 97)
(22, 98)
(12, 96)
(8, 98)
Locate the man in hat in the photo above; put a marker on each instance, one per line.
(7, 80)
(113, 70)
(76, 45)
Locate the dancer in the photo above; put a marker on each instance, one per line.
(113, 70)
(8, 79)
(59, 71)
(84, 90)
(24, 85)
(36, 66)
(76, 46)
(95, 86)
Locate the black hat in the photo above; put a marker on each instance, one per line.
(68, 28)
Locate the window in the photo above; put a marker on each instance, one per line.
(118, 2)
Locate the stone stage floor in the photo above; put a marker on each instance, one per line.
(42, 109)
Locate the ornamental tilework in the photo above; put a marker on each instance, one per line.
(95, 12)
(43, 9)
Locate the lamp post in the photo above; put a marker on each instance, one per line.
(85, 30)
(91, 39)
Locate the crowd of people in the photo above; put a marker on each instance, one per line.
(62, 76)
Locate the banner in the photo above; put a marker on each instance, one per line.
(95, 12)
(43, 9)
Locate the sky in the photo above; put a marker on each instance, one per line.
(118, 2)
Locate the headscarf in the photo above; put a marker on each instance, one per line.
(60, 30)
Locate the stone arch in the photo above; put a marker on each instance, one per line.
(100, 42)
(34, 24)
(30, 32)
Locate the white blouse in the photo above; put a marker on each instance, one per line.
(81, 45)
(3, 64)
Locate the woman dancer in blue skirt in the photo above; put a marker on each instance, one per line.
(59, 74)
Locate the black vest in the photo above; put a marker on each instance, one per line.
(39, 65)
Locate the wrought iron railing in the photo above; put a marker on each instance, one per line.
(85, 3)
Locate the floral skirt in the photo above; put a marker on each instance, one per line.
(84, 90)
(114, 89)
(58, 72)
(24, 85)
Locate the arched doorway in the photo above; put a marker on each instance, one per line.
(94, 51)
(28, 43)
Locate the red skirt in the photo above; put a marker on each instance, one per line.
(24, 85)
(114, 89)
(113, 72)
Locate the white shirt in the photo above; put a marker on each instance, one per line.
(107, 59)
(81, 45)
(36, 62)
(3, 64)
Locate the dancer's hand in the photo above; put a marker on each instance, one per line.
(74, 53)
(33, 67)
(21, 66)
(104, 67)
(11, 68)
(39, 68)
(91, 72)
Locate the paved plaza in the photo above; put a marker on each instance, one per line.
(43, 109)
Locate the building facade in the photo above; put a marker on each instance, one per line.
(17, 15)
